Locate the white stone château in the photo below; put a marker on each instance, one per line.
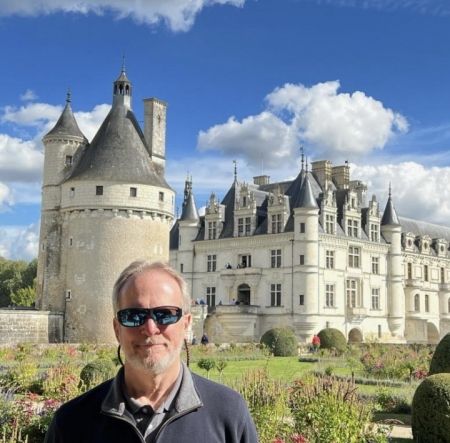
(309, 254)
(104, 204)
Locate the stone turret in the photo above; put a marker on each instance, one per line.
(391, 231)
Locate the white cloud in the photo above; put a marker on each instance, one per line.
(178, 15)
(19, 242)
(262, 137)
(418, 192)
(89, 122)
(32, 114)
(328, 123)
(29, 95)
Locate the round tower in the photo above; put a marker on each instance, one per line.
(392, 232)
(115, 208)
(63, 147)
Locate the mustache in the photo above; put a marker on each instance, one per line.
(150, 341)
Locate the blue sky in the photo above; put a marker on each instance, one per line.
(253, 80)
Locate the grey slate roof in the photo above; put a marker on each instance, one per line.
(421, 228)
(190, 212)
(66, 125)
(118, 152)
(306, 198)
(390, 215)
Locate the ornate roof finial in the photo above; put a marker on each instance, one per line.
(303, 156)
(306, 164)
(235, 170)
(68, 99)
(389, 189)
(123, 62)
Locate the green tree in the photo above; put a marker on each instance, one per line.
(15, 275)
(24, 296)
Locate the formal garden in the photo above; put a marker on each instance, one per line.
(339, 394)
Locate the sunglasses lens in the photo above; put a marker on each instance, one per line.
(132, 317)
(166, 316)
(135, 317)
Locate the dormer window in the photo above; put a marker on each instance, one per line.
(244, 201)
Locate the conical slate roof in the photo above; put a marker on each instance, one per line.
(66, 125)
(118, 152)
(306, 197)
(390, 215)
(190, 212)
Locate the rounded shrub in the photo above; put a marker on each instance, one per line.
(431, 409)
(332, 338)
(281, 342)
(440, 361)
(96, 372)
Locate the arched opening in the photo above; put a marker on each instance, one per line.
(432, 334)
(243, 294)
(127, 90)
(355, 336)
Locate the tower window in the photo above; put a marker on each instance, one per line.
(72, 192)
(161, 196)
(69, 160)
(68, 294)
(302, 259)
(99, 190)
(302, 228)
(70, 241)
(301, 300)
(133, 192)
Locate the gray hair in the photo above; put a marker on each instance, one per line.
(139, 267)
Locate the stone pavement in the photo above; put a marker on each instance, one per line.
(401, 431)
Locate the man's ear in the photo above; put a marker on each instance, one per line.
(116, 327)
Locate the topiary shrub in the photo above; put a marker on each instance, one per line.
(332, 338)
(431, 409)
(441, 358)
(96, 372)
(281, 342)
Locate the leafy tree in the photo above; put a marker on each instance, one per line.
(24, 296)
(281, 342)
(15, 275)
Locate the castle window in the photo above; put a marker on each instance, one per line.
(211, 296)
(425, 272)
(68, 294)
(43, 246)
(302, 228)
(375, 298)
(72, 192)
(244, 202)
(245, 261)
(99, 190)
(353, 257)
(329, 259)
(70, 242)
(161, 196)
(133, 192)
(302, 259)
(212, 230)
(69, 160)
(375, 265)
(181, 267)
(352, 296)
(352, 228)
(329, 224)
(442, 275)
(211, 263)
(374, 232)
(276, 223)
(417, 303)
(275, 294)
(244, 226)
(275, 258)
(427, 303)
(329, 296)
(301, 300)
(409, 271)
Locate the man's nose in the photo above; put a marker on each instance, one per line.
(150, 326)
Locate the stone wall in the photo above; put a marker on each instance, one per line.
(31, 326)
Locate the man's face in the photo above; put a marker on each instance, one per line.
(151, 347)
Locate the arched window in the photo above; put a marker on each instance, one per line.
(417, 303)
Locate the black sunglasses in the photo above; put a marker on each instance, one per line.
(164, 315)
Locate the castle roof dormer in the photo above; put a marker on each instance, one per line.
(66, 126)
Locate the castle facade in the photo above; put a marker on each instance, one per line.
(313, 253)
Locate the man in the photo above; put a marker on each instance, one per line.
(154, 397)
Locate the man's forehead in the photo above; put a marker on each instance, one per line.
(148, 278)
